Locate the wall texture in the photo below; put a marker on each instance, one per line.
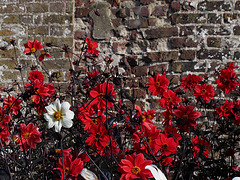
(144, 37)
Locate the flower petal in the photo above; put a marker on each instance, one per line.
(157, 173)
(66, 122)
(65, 107)
(57, 104)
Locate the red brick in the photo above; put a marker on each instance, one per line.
(82, 12)
(81, 35)
(146, 2)
(159, 11)
(132, 60)
(175, 5)
(158, 69)
(182, 42)
(139, 93)
(140, 71)
(161, 32)
(187, 54)
(163, 56)
(141, 11)
(117, 22)
(186, 30)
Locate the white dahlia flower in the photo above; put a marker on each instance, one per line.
(157, 173)
(59, 115)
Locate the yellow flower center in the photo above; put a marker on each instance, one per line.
(164, 146)
(157, 84)
(91, 45)
(100, 96)
(58, 115)
(67, 171)
(149, 139)
(185, 116)
(170, 116)
(10, 104)
(33, 50)
(143, 118)
(203, 91)
(136, 170)
(169, 99)
(149, 117)
(26, 135)
(94, 121)
(224, 80)
(58, 151)
(43, 52)
(97, 136)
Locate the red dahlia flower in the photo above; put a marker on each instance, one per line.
(4, 118)
(43, 54)
(66, 152)
(11, 104)
(134, 167)
(36, 75)
(32, 47)
(169, 98)
(167, 145)
(227, 80)
(100, 94)
(151, 135)
(98, 139)
(202, 146)
(186, 117)
(204, 91)
(29, 136)
(4, 135)
(226, 109)
(158, 84)
(91, 47)
(71, 167)
(172, 132)
(189, 82)
(145, 121)
(168, 114)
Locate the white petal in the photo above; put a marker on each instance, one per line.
(50, 124)
(65, 107)
(157, 173)
(58, 126)
(66, 122)
(236, 178)
(57, 104)
(88, 175)
(50, 109)
(47, 117)
(69, 114)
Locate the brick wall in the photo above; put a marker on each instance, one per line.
(144, 37)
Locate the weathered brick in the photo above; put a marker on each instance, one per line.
(37, 19)
(58, 41)
(11, 19)
(175, 5)
(157, 69)
(132, 60)
(214, 18)
(82, 12)
(143, 82)
(152, 21)
(123, 13)
(57, 64)
(37, 8)
(162, 56)
(57, 7)
(187, 54)
(117, 22)
(237, 5)
(154, 103)
(26, 19)
(173, 78)
(6, 32)
(10, 75)
(8, 53)
(131, 82)
(229, 17)
(236, 30)
(39, 30)
(146, 2)
(179, 67)
(141, 11)
(214, 5)
(137, 23)
(161, 32)
(159, 11)
(81, 34)
(56, 31)
(211, 30)
(186, 30)
(236, 55)
(69, 8)
(9, 63)
(140, 71)
(60, 19)
(12, 8)
(182, 42)
(213, 54)
(119, 47)
(139, 93)
(188, 18)
(214, 42)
